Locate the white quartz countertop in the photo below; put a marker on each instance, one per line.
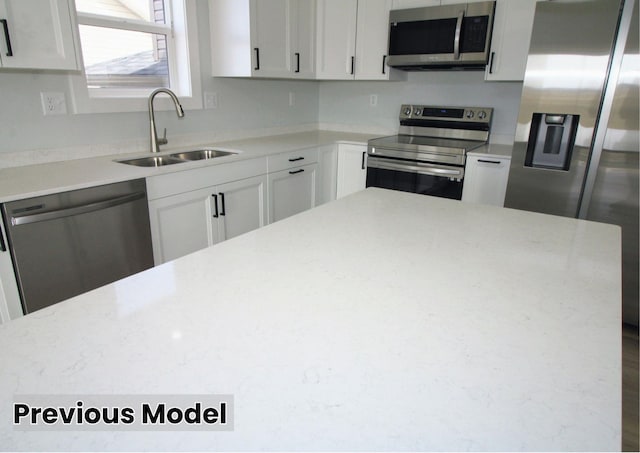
(492, 150)
(381, 321)
(43, 179)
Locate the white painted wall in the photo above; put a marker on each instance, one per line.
(346, 105)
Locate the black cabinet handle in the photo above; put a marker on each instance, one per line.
(497, 162)
(223, 209)
(297, 61)
(353, 65)
(364, 153)
(384, 66)
(3, 246)
(296, 171)
(493, 54)
(215, 203)
(257, 68)
(295, 159)
(7, 37)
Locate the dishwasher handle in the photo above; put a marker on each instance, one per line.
(76, 210)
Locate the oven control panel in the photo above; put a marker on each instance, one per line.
(439, 113)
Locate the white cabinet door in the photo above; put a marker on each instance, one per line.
(183, 223)
(510, 40)
(291, 191)
(37, 35)
(242, 206)
(485, 180)
(327, 174)
(336, 39)
(352, 169)
(303, 26)
(372, 39)
(406, 4)
(271, 38)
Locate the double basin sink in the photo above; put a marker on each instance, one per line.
(176, 158)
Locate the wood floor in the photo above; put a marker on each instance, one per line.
(630, 397)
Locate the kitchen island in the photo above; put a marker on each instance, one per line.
(381, 321)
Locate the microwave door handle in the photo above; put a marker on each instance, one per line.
(456, 39)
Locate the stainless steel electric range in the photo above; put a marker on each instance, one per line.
(429, 153)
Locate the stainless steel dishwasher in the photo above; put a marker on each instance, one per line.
(68, 243)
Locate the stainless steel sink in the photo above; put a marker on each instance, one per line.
(176, 158)
(152, 161)
(200, 154)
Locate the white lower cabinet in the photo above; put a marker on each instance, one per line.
(187, 222)
(352, 169)
(485, 179)
(242, 206)
(193, 209)
(292, 191)
(182, 224)
(327, 174)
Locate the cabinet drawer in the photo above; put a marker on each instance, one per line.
(197, 178)
(292, 159)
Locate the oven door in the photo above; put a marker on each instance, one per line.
(416, 177)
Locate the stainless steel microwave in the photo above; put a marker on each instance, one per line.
(441, 37)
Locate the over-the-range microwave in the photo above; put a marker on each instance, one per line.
(441, 37)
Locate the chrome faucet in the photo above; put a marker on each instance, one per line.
(155, 141)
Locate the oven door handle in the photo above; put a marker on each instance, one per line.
(416, 167)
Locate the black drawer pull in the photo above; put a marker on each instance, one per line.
(215, 203)
(493, 54)
(3, 246)
(297, 62)
(223, 210)
(257, 68)
(353, 65)
(7, 38)
(384, 66)
(497, 162)
(296, 171)
(364, 153)
(295, 159)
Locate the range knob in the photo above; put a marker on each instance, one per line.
(418, 112)
(407, 111)
(470, 114)
(482, 114)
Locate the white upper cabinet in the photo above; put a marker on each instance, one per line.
(510, 41)
(336, 39)
(270, 37)
(406, 4)
(352, 40)
(37, 35)
(372, 40)
(262, 38)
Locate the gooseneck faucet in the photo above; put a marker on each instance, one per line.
(155, 141)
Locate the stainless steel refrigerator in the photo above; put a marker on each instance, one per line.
(577, 142)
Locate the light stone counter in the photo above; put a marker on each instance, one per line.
(492, 150)
(46, 178)
(382, 321)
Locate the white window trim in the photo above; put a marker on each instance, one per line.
(189, 91)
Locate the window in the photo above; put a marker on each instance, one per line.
(130, 47)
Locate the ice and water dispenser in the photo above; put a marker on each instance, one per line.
(551, 140)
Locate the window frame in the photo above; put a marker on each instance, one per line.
(184, 68)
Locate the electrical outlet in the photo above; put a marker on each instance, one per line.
(373, 100)
(53, 104)
(292, 99)
(210, 100)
